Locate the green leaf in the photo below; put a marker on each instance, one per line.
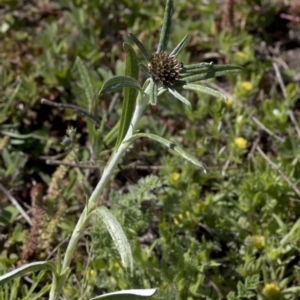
(197, 68)
(252, 282)
(153, 92)
(166, 28)
(87, 84)
(32, 267)
(180, 46)
(119, 82)
(127, 295)
(179, 150)
(140, 46)
(295, 290)
(10, 99)
(130, 94)
(180, 97)
(203, 71)
(118, 236)
(145, 69)
(112, 134)
(293, 234)
(204, 89)
(232, 296)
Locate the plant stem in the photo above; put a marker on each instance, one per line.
(141, 104)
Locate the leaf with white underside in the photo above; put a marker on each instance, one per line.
(118, 236)
(153, 92)
(179, 150)
(32, 267)
(127, 295)
(180, 97)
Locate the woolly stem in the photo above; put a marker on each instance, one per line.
(106, 176)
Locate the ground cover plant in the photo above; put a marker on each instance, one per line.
(232, 233)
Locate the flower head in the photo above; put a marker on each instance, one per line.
(164, 68)
(240, 142)
(271, 291)
(258, 241)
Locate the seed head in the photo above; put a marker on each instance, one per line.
(164, 68)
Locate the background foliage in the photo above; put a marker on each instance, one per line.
(232, 233)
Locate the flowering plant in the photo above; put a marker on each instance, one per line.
(165, 74)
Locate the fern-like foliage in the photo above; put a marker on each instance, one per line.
(245, 290)
(127, 207)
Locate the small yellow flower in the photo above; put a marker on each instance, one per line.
(247, 85)
(175, 176)
(187, 213)
(271, 291)
(116, 265)
(180, 216)
(258, 241)
(91, 276)
(229, 102)
(91, 272)
(240, 54)
(241, 142)
(175, 221)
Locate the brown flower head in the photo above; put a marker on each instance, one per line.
(164, 68)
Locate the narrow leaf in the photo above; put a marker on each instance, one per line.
(204, 89)
(112, 134)
(153, 93)
(130, 94)
(180, 46)
(200, 67)
(119, 82)
(118, 236)
(127, 294)
(86, 83)
(140, 46)
(180, 97)
(145, 69)
(208, 71)
(10, 100)
(179, 150)
(162, 90)
(166, 28)
(32, 267)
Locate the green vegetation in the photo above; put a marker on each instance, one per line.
(232, 233)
